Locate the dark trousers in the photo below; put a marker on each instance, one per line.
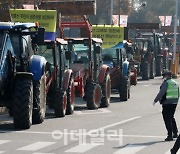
(176, 146)
(169, 120)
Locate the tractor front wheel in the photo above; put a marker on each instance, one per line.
(106, 91)
(70, 97)
(124, 88)
(60, 103)
(39, 100)
(93, 95)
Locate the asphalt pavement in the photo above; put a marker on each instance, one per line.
(131, 127)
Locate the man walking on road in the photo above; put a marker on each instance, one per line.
(168, 96)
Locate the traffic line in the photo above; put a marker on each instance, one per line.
(99, 111)
(130, 149)
(112, 125)
(4, 141)
(36, 146)
(88, 134)
(82, 148)
(2, 151)
(41, 153)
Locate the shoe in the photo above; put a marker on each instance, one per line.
(169, 139)
(172, 152)
(175, 135)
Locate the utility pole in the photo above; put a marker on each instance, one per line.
(111, 12)
(35, 8)
(165, 13)
(175, 32)
(119, 21)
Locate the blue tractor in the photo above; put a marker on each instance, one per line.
(22, 74)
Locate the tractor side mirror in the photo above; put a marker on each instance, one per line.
(68, 55)
(98, 49)
(40, 36)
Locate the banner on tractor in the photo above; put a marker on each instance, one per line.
(111, 35)
(45, 18)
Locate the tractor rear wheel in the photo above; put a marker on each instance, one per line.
(23, 104)
(124, 89)
(152, 69)
(145, 71)
(70, 97)
(39, 100)
(106, 91)
(159, 66)
(93, 95)
(60, 103)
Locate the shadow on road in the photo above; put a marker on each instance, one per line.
(139, 144)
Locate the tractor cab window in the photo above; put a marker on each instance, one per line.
(26, 44)
(15, 40)
(46, 52)
(62, 57)
(2, 36)
(80, 53)
(145, 49)
(110, 57)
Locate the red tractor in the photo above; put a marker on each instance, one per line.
(59, 77)
(91, 77)
(122, 71)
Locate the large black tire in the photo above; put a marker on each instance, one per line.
(106, 91)
(159, 66)
(145, 70)
(93, 95)
(165, 63)
(60, 103)
(39, 100)
(152, 68)
(23, 104)
(70, 97)
(124, 88)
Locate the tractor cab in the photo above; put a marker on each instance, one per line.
(59, 79)
(114, 57)
(83, 52)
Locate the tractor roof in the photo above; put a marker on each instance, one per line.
(61, 41)
(142, 39)
(79, 40)
(11, 25)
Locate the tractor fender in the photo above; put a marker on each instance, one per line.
(125, 68)
(23, 75)
(66, 78)
(102, 73)
(37, 66)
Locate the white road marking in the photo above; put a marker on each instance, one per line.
(41, 153)
(82, 148)
(36, 146)
(2, 151)
(99, 111)
(130, 149)
(4, 141)
(88, 134)
(115, 124)
(146, 85)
